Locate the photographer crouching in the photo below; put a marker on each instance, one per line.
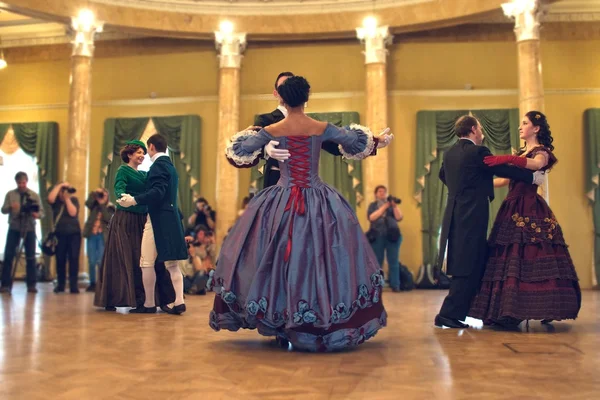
(384, 235)
(65, 207)
(24, 207)
(95, 230)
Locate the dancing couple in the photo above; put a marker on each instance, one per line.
(524, 270)
(296, 265)
(139, 267)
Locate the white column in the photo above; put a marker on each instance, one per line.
(230, 46)
(527, 15)
(375, 39)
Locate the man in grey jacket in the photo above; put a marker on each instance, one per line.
(23, 206)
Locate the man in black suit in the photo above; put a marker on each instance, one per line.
(271, 171)
(470, 189)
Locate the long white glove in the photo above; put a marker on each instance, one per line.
(126, 200)
(384, 138)
(538, 178)
(278, 154)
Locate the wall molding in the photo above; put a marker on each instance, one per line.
(314, 96)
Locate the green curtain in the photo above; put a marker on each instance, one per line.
(183, 135)
(116, 133)
(435, 133)
(345, 175)
(39, 140)
(499, 128)
(591, 119)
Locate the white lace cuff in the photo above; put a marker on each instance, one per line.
(235, 153)
(364, 136)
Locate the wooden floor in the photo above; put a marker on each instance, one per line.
(60, 347)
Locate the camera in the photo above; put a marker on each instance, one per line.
(70, 189)
(392, 199)
(99, 195)
(29, 205)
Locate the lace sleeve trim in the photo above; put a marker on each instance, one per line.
(368, 148)
(241, 159)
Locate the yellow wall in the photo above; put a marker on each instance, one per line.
(339, 68)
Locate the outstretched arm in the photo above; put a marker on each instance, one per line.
(245, 148)
(535, 164)
(356, 142)
(504, 171)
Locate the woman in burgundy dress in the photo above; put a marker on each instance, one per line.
(529, 272)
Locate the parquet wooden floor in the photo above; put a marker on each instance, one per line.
(60, 347)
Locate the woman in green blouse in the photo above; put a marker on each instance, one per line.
(120, 280)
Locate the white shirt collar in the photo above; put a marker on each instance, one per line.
(283, 110)
(154, 157)
(470, 140)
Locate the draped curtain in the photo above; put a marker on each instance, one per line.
(345, 175)
(435, 134)
(183, 136)
(592, 166)
(39, 140)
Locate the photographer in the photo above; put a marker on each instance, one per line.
(204, 215)
(24, 207)
(385, 237)
(65, 207)
(95, 230)
(202, 254)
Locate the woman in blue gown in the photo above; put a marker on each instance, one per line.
(296, 265)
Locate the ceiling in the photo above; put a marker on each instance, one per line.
(22, 31)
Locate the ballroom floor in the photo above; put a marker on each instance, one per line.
(60, 347)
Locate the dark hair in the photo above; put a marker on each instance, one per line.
(294, 91)
(544, 136)
(20, 176)
(201, 199)
(128, 150)
(281, 75)
(201, 228)
(379, 187)
(159, 142)
(464, 125)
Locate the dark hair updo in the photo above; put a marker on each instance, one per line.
(544, 136)
(294, 91)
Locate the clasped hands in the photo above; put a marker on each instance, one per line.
(384, 139)
(126, 200)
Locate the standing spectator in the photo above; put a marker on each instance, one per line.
(24, 207)
(384, 234)
(95, 230)
(65, 207)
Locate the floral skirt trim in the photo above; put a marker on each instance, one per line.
(362, 326)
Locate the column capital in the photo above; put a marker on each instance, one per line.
(230, 45)
(83, 29)
(527, 15)
(375, 40)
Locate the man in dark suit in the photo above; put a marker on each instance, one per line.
(163, 239)
(271, 171)
(470, 189)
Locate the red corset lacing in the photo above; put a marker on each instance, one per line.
(299, 169)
